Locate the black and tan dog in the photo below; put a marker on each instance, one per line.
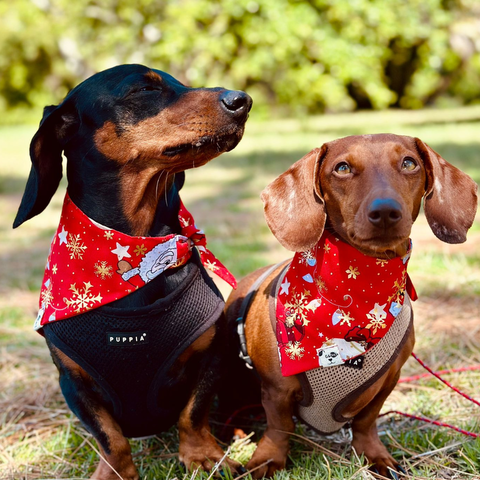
(128, 134)
(365, 192)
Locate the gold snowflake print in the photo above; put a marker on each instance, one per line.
(54, 269)
(140, 249)
(375, 323)
(103, 270)
(82, 299)
(47, 296)
(381, 262)
(76, 246)
(353, 272)
(211, 266)
(320, 284)
(294, 350)
(346, 318)
(297, 309)
(108, 235)
(399, 288)
(377, 317)
(326, 247)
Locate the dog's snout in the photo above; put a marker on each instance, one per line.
(236, 102)
(384, 212)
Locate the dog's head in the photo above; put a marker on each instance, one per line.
(369, 189)
(123, 131)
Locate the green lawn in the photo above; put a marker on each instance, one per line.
(40, 438)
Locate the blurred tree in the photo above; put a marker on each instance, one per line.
(309, 56)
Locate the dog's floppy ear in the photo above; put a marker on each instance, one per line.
(450, 200)
(57, 125)
(293, 204)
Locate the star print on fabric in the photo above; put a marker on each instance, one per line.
(63, 236)
(285, 286)
(353, 272)
(121, 251)
(326, 247)
(108, 235)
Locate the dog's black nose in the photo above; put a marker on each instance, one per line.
(236, 102)
(384, 212)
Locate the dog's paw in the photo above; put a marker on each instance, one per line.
(213, 459)
(388, 467)
(265, 462)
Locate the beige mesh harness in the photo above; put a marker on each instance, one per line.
(327, 391)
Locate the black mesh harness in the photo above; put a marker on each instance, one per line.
(129, 353)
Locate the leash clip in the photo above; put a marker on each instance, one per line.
(243, 354)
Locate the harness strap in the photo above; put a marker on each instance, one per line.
(244, 307)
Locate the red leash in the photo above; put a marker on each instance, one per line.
(455, 389)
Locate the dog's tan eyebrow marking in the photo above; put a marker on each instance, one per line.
(151, 75)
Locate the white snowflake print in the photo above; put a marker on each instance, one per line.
(103, 270)
(294, 350)
(82, 299)
(306, 256)
(76, 246)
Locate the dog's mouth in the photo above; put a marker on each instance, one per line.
(380, 247)
(220, 143)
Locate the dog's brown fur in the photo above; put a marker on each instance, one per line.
(318, 192)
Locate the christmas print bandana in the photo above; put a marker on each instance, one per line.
(335, 303)
(90, 265)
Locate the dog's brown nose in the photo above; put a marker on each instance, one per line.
(236, 102)
(384, 212)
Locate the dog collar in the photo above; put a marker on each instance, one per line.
(90, 265)
(335, 304)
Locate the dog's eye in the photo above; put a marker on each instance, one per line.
(409, 164)
(149, 88)
(343, 168)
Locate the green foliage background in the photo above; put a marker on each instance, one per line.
(302, 56)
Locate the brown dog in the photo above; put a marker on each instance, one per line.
(366, 191)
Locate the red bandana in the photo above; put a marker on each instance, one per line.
(336, 303)
(90, 265)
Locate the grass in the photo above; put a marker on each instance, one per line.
(40, 438)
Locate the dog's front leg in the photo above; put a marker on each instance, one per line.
(198, 447)
(365, 410)
(85, 401)
(278, 400)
